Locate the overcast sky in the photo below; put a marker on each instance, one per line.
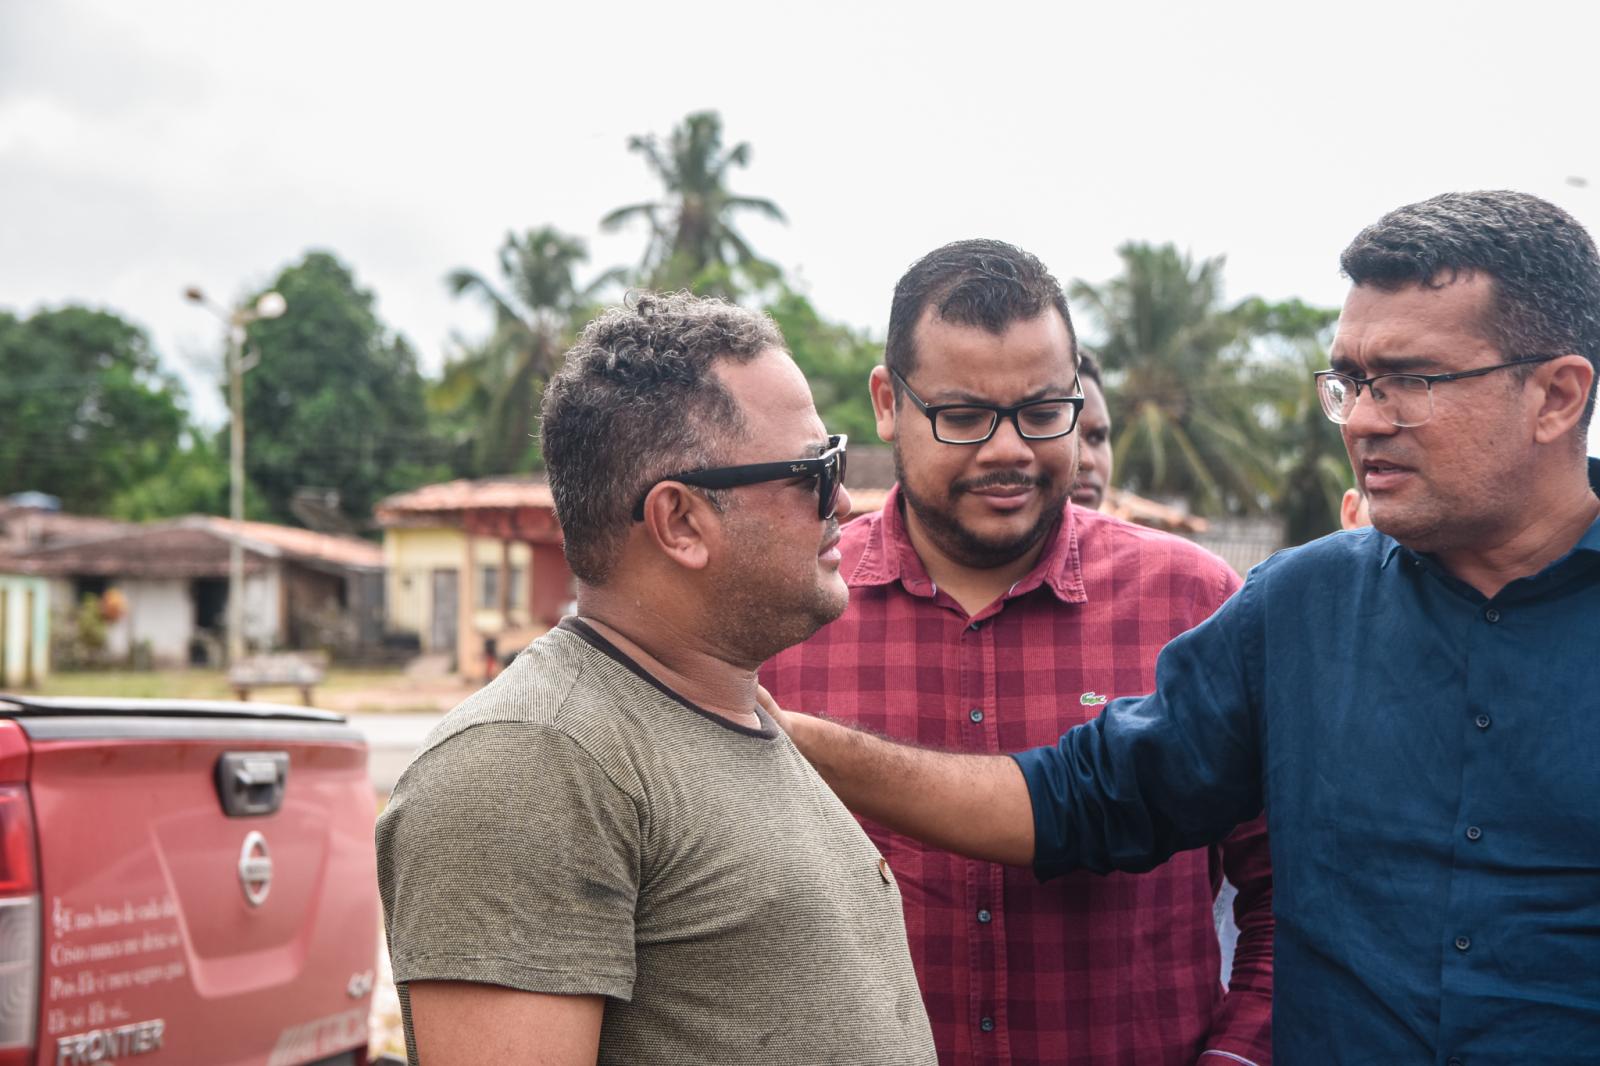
(147, 146)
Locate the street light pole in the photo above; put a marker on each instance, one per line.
(270, 305)
(235, 358)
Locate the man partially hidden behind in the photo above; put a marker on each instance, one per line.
(1094, 437)
(1416, 705)
(1354, 511)
(988, 614)
(610, 852)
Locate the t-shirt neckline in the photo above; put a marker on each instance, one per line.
(582, 630)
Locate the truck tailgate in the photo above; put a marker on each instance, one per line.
(182, 933)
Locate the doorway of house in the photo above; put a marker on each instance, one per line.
(207, 645)
(443, 618)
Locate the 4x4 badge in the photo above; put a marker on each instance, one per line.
(1091, 699)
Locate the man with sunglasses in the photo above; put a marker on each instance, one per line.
(610, 853)
(988, 614)
(1414, 705)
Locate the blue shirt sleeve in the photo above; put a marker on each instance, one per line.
(1158, 774)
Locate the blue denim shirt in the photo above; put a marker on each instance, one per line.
(1429, 761)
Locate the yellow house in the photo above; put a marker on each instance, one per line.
(474, 568)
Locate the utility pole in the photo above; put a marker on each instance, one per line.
(270, 305)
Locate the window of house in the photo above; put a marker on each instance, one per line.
(489, 588)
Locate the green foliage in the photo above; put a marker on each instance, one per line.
(1316, 469)
(1288, 345)
(835, 359)
(1213, 403)
(81, 644)
(336, 401)
(1182, 399)
(193, 481)
(88, 412)
(1293, 320)
(487, 400)
(693, 244)
(89, 620)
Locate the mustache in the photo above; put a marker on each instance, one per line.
(1382, 457)
(1001, 479)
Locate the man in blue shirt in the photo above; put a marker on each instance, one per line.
(1415, 706)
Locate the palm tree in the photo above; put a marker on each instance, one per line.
(1184, 396)
(693, 243)
(490, 391)
(1316, 467)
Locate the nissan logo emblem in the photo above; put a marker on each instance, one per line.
(255, 869)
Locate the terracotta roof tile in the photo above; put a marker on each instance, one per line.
(462, 495)
(196, 546)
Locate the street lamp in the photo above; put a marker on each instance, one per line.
(269, 305)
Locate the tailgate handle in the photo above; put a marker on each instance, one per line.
(251, 783)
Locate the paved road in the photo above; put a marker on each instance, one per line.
(391, 740)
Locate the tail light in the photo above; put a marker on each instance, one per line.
(19, 928)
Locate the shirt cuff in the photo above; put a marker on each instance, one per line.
(1041, 770)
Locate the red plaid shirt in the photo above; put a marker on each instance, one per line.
(1082, 969)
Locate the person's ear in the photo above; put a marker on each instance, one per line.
(1352, 515)
(1565, 385)
(679, 522)
(881, 387)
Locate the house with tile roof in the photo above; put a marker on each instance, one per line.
(166, 585)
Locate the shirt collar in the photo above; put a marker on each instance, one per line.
(889, 556)
(1589, 542)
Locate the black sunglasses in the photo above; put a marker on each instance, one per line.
(827, 468)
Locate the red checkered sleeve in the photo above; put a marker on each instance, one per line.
(1083, 969)
(1243, 1027)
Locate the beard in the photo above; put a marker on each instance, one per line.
(963, 545)
(764, 604)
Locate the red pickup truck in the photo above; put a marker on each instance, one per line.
(183, 882)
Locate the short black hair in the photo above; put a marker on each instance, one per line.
(984, 283)
(636, 401)
(1543, 263)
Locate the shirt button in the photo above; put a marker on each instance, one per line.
(975, 626)
(1473, 832)
(976, 714)
(1482, 721)
(987, 1025)
(1491, 615)
(1463, 943)
(984, 917)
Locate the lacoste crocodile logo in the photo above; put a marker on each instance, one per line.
(1091, 699)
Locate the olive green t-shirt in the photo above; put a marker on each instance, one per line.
(577, 828)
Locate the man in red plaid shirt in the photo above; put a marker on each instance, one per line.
(988, 614)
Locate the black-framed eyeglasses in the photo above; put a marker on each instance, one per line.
(827, 468)
(974, 423)
(1405, 400)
